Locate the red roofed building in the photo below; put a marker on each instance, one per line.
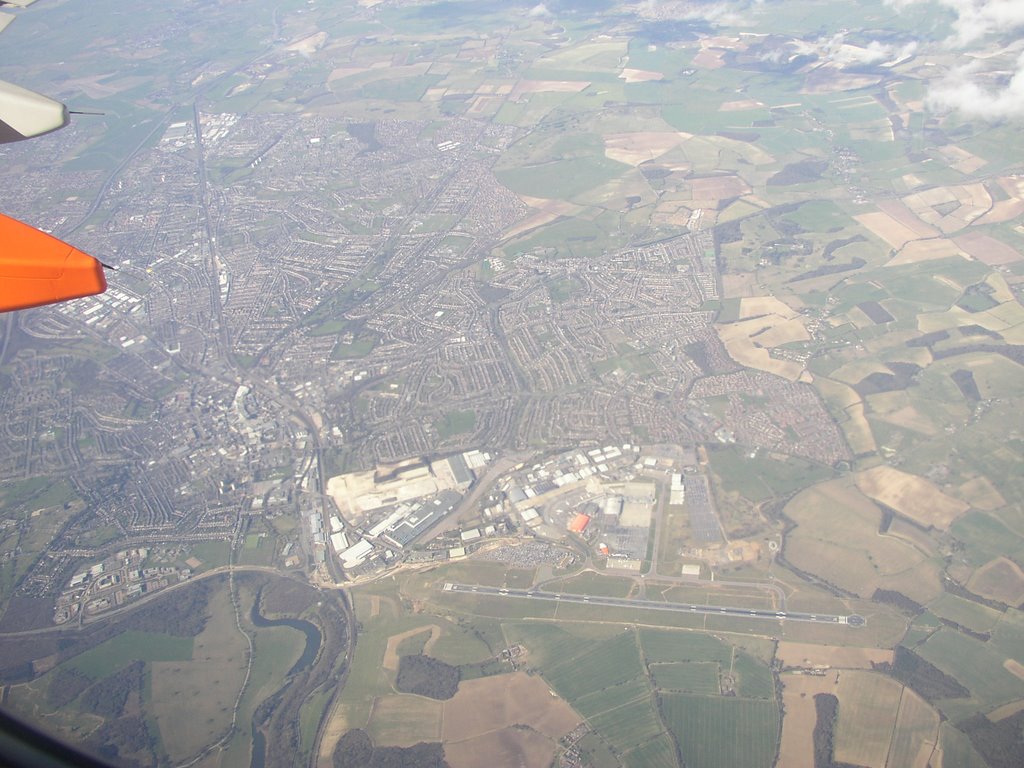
(579, 523)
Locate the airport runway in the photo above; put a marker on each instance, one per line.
(623, 602)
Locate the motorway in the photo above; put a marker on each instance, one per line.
(621, 602)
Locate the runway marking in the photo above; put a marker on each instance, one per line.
(852, 620)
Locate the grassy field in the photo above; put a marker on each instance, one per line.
(454, 423)
(561, 179)
(753, 678)
(694, 677)
(763, 476)
(667, 646)
(403, 720)
(972, 615)
(722, 732)
(845, 547)
(917, 731)
(629, 725)
(122, 650)
(605, 664)
(659, 752)
(192, 696)
(591, 583)
(975, 664)
(597, 702)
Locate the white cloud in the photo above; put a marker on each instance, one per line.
(962, 89)
(960, 92)
(977, 18)
(539, 10)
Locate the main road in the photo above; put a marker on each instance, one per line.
(852, 620)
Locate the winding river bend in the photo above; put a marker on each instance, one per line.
(313, 640)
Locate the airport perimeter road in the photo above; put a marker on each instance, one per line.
(622, 602)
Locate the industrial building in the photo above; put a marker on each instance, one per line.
(402, 531)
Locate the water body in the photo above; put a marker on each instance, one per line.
(310, 630)
(313, 640)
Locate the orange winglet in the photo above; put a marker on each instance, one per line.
(37, 269)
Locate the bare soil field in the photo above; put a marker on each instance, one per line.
(740, 105)
(769, 323)
(524, 87)
(855, 426)
(640, 75)
(887, 228)
(911, 496)
(1005, 711)
(504, 748)
(961, 159)
(981, 494)
(718, 188)
(812, 655)
(637, 148)
(709, 58)
(798, 691)
(390, 661)
(987, 249)
(491, 703)
(925, 250)
(1014, 666)
(972, 201)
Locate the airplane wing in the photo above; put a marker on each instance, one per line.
(24, 114)
(36, 268)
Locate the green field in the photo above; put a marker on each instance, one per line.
(722, 732)
(607, 699)
(629, 725)
(760, 477)
(455, 423)
(590, 583)
(753, 678)
(605, 664)
(693, 677)
(666, 646)
(975, 665)
(120, 651)
(659, 752)
(561, 179)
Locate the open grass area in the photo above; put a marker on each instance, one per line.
(455, 423)
(591, 583)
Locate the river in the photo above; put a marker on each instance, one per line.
(313, 640)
